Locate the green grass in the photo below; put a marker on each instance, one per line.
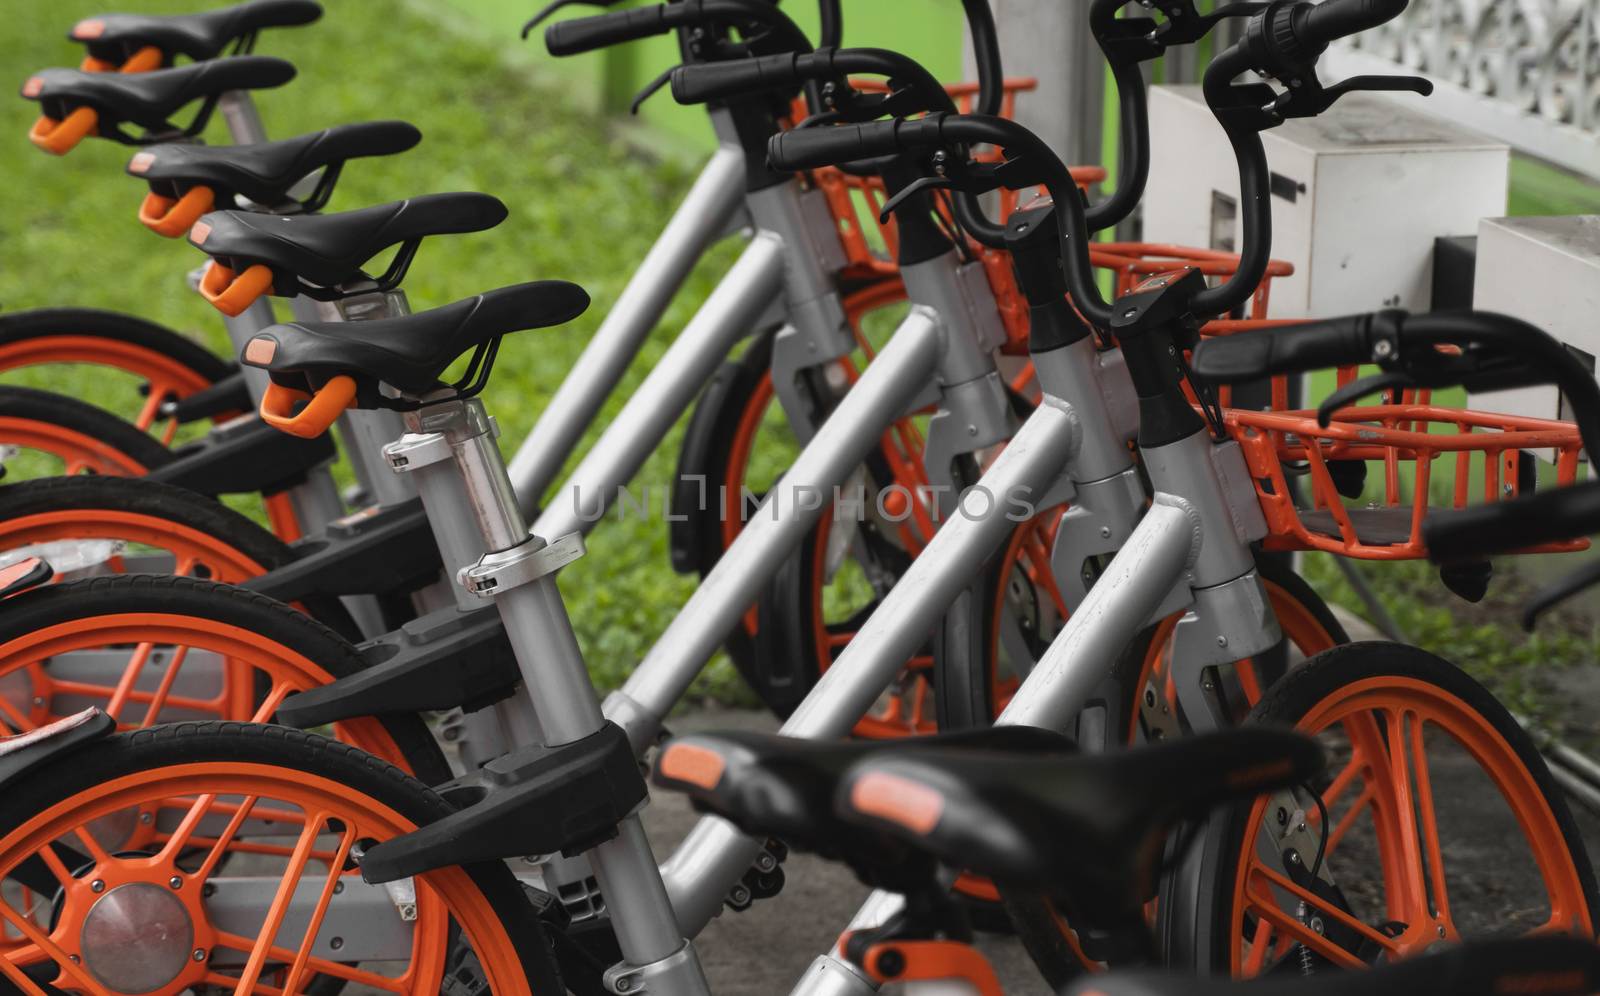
(583, 207)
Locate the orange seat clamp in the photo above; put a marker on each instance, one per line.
(231, 294)
(172, 216)
(319, 413)
(59, 137)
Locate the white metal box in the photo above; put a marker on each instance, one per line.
(1545, 271)
(1359, 195)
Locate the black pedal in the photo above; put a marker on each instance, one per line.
(244, 456)
(444, 660)
(537, 800)
(377, 551)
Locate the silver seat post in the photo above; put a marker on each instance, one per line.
(519, 573)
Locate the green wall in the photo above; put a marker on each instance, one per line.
(606, 81)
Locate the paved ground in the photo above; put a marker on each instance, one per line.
(762, 951)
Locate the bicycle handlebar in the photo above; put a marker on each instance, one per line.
(586, 34)
(1334, 19)
(700, 82)
(1479, 531)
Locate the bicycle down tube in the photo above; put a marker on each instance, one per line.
(708, 211)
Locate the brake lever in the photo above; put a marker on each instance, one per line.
(1354, 391)
(650, 90)
(1577, 582)
(1310, 98)
(910, 190)
(1185, 25)
(555, 5)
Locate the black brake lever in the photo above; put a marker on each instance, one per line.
(1354, 391)
(556, 5)
(1185, 25)
(1310, 98)
(910, 190)
(650, 90)
(1577, 582)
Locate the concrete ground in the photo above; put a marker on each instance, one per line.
(765, 949)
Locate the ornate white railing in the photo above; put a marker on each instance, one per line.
(1524, 71)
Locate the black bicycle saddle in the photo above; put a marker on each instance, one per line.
(1549, 966)
(409, 353)
(1087, 829)
(114, 37)
(326, 250)
(783, 787)
(265, 172)
(149, 100)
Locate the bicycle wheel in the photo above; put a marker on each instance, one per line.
(1136, 702)
(162, 365)
(1443, 824)
(154, 648)
(159, 527)
(223, 854)
(62, 436)
(979, 665)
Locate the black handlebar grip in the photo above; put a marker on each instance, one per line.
(585, 34)
(1334, 19)
(1492, 528)
(700, 82)
(1289, 349)
(810, 148)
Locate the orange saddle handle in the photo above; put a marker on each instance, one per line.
(231, 293)
(172, 216)
(60, 137)
(320, 412)
(142, 61)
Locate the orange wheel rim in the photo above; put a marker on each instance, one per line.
(136, 673)
(79, 452)
(1027, 557)
(1300, 627)
(1395, 788)
(206, 806)
(193, 551)
(167, 378)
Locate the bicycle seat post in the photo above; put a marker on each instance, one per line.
(242, 117)
(518, 572)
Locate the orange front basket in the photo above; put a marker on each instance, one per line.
(1299, 467)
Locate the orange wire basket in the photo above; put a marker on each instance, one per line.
(1298, 466)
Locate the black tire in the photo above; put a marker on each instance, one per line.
(79, 601)
(38, 323)
(25, 403)
(1195, 929)
(1032, 918)
(179, 744)
(92, 493)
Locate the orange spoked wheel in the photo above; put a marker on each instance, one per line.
(139, 526)
(138, 365)
(995, 634)
(51, 435)
(152, 649)
(214, 855)
(1436, 822)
